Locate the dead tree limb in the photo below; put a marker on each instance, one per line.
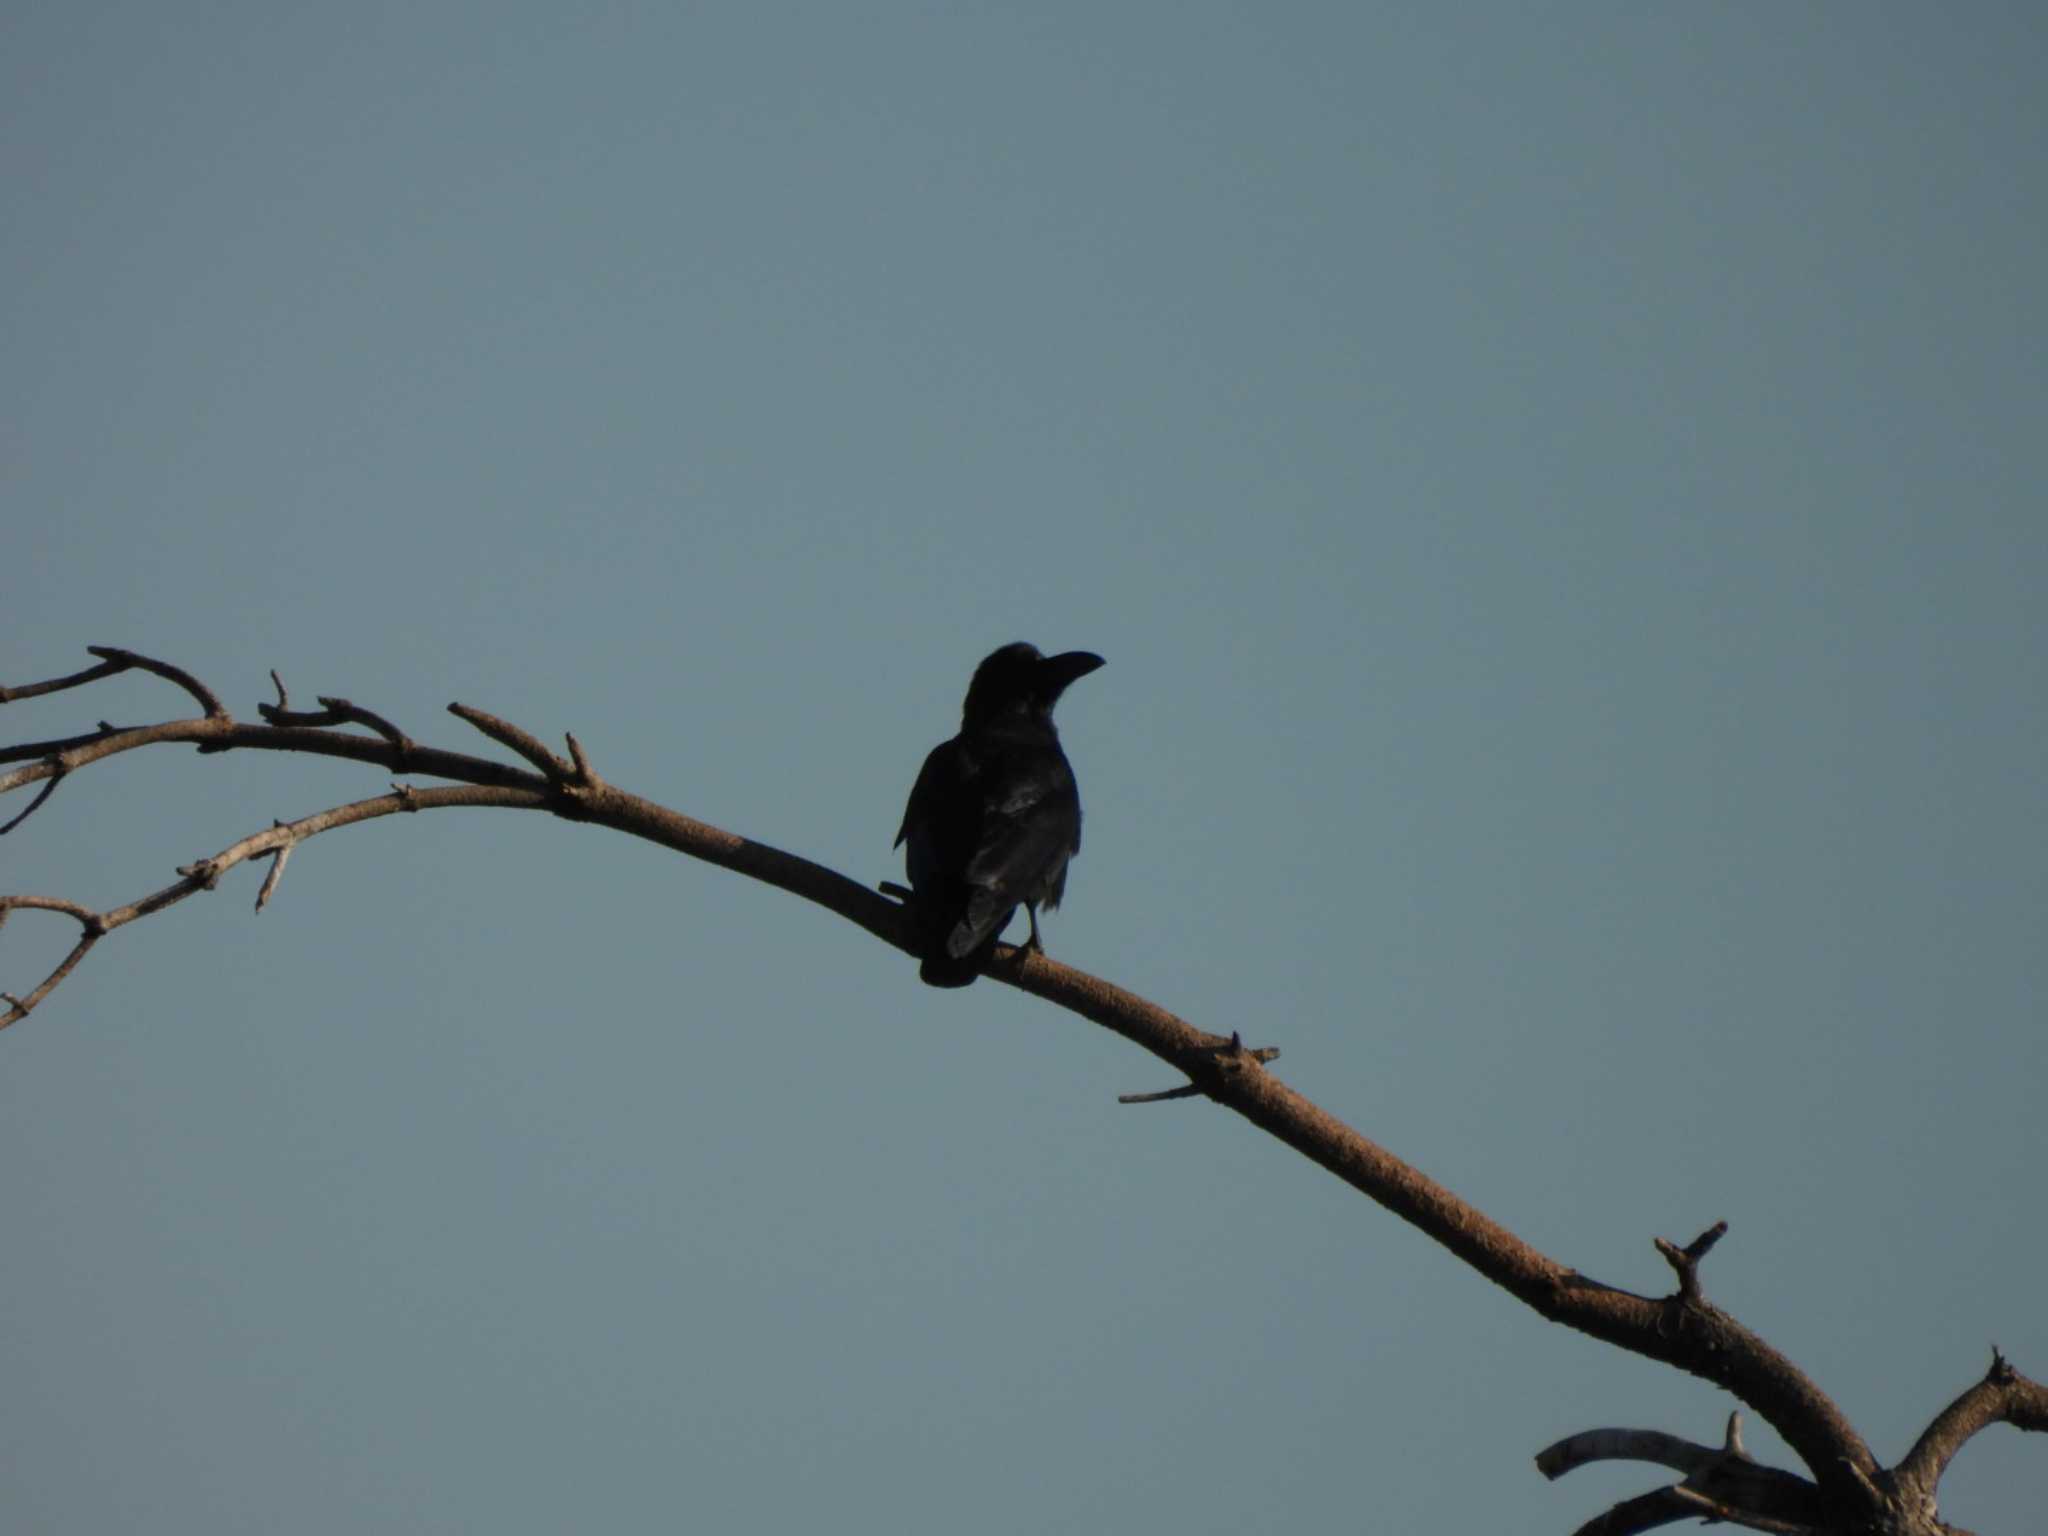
(1848, 1490)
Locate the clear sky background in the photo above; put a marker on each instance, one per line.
(1560, 494)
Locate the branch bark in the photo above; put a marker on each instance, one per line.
(2004, 1396)
(1849, 1490)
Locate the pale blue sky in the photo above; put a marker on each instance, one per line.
(1560, 497)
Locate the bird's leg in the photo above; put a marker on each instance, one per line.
(1034, 943)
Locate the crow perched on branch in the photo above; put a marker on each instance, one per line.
(994, 816)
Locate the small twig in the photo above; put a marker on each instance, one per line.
(334, 712)
(585, 774)
(49, 789)
(1737, 1487)
(1686, 1260)
(284, 851)
(205, 874)
(1221, 1061)
(94, 926)
(1644, 1512)
(582, 787)
(506, 734)
(59, 684)
(358, 715)
(1651, 1445)
(1184, 1091)
(208, 699)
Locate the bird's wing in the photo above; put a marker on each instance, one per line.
(924, 791)
(1027, 835)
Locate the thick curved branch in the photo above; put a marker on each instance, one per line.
(1651, 1445)
(1683, 1330)
(1644, 1512)
(1722, 1482)
(2004, 1396)
(1695, 1338)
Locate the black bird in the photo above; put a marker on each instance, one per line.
(995, 815)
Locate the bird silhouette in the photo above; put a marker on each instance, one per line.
(995, 815)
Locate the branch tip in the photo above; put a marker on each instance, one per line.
(1686, 1261)
(585, 774)
(58, 684)
(1700, 1246)
(49, 788)
(1185, 1091)
(506, 734)
(284, 851)
(122, 660)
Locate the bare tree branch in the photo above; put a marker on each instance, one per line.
(1234, 1046)
(1644, 1512)
(507, 734)
(331, 712)
(1724, 1482)
(90, 921)
(59, 684)
(1686, 1260)
(1652, 1445)
(48, 789)
(2003, 1396)
(122, 660)
(205, 874)
(270, 881)
(1850, 1491)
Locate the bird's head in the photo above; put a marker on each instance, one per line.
(1017, 678)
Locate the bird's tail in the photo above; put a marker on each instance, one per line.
(944, 970)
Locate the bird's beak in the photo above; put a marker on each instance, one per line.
(1066, 667)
